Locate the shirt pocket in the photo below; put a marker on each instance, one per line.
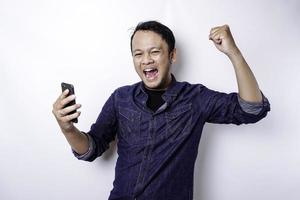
(179, 122)
(129, 125)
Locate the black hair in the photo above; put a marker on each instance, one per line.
(158, 28)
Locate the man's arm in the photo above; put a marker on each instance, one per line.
(247, 84)
(79, 142)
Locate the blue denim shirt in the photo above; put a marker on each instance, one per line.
(157, 150)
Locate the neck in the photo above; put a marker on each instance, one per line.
(156, 89)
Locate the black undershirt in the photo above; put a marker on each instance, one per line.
(155, 100)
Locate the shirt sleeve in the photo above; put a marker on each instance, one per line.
(90, 152)
(223, 108)
(251, 107)
(102, 132)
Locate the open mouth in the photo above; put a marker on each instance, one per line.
(150, 73)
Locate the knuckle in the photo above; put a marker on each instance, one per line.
(62, 112)
(71, 97)
(65, 101)
(71, 117)
(61, 103)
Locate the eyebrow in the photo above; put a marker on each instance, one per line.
(151, 48)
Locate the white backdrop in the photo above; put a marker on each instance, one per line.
(43, 43)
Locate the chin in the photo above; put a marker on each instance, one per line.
(155, 85)
(151, 85)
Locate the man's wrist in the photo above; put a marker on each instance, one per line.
(70, 131)
(234, 53)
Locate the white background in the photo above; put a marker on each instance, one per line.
(43, 43)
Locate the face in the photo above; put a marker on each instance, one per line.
(152, 60)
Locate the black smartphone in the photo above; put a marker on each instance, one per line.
(70, 87)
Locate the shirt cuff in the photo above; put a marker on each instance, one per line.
(252, 107)
(90, 152)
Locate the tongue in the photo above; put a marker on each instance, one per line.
(151, 74)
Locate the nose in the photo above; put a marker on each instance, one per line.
(146, 60)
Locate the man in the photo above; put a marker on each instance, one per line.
(159, 121)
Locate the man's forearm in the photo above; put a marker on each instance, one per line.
(78, 141)
(247, 84)
(248, 87)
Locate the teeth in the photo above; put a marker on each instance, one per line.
(149, 69)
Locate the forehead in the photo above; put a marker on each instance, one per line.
(147, 39)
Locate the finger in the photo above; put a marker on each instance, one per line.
(66, 100)
(226, 27)
(219, 29)
(217, 41)
(63, 95)
(216, 38)
(69, 118)
(213, 30)
(69, 109)
(214, 34)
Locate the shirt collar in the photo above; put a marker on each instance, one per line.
(170, 94)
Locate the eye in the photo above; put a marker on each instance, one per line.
(137, 54)
(155, 52)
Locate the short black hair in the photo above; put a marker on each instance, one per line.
(158, 28)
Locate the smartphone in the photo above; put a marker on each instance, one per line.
(70, 87)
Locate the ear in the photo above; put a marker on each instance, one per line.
(173, 56)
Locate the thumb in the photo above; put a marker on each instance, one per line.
(217, 41)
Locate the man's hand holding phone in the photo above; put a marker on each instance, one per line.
(65, 108)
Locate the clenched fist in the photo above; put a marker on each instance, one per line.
(223, 40)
